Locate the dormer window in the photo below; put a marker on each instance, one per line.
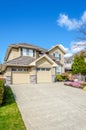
(27, 52)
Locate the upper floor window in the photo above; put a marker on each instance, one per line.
(27, 52)
(57, 55)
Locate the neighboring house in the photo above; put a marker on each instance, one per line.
(69, 61)
(26, 63)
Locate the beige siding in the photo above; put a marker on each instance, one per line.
(62, 55)
(1, 76)
(13, 54)
(53, 71)
(59, 51)
(7, 72)
(44, 63)
(44, 76)
(37, 54)
(20, 78)
(32, 71)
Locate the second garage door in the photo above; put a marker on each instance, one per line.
(44, 75)
(20, 78)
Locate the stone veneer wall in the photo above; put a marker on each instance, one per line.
(33, 79)
(53, 78)
(8, 80)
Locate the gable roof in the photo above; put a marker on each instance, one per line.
(55, 60)
(20, 61)
(21, 45)
(48, 58)
(58, 47)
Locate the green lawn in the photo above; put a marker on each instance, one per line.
(10, 117)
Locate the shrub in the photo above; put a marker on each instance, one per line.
(68, 76)
(1, 91)
(59, 78)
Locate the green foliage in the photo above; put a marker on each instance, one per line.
(10, 117)
(1, 91)
(59, 77)
(79, 65)
(65, 76)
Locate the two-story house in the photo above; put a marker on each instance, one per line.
(26, 63)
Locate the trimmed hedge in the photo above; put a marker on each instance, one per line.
(1, 91)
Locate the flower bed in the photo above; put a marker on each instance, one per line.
(76, 84)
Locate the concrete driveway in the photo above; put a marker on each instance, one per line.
(51, 106)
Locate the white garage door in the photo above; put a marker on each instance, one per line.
(44, 75)
(20, 78)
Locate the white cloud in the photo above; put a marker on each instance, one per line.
(75, 47)
(83, 18)
(64, 48)
(78, 46)
(71, 24)
(68, 54)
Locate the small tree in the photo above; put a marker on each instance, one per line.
(79, 65)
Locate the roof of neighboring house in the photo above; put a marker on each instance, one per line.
(67, 59)
(83, 51)
(20, 61)
(58, 45)
(25, 45)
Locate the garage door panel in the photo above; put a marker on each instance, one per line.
(44, 77)
(18, 78)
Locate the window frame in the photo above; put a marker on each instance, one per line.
(27, 52)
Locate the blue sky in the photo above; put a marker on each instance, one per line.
(44, 23)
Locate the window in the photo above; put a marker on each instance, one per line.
(38, 69)
(31, 53)
(47, 69)
(57, 55)
(19, 69)
(43, 69)
(70, 62)
(24, 52)
(58, 70)
(13, 69)
(27, 52)
(25, 69)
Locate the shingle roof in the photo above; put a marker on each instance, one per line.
(60, 47)
(20, 61)
(55, 60)
(25, 45)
